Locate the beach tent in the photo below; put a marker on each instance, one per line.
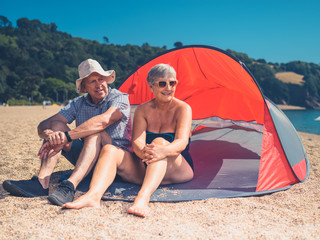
(242, 144)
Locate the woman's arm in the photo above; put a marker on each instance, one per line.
(139, 131)
(182, 134)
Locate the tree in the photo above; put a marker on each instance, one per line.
(4, 22)
(51, 87)
(3, 86)
(261, 72)
(178, 44)
(312, 85)
(242, 57)
(106, 39)
(276, 90)
(53, 27)
(38, 61)
(260, 60)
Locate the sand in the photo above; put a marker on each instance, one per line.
(291, 214)
(290, 107)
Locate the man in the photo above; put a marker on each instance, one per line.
(102, 117)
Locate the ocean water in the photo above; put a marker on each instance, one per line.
(305, 120)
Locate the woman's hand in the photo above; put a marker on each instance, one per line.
(153, 153)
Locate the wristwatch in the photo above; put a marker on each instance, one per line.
(68, 136)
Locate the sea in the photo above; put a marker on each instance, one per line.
(305, 120)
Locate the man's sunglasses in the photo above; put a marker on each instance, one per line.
(163, 84)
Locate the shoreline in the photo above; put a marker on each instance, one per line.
(290, 107)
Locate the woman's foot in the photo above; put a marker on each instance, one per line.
(140, 208)
(83, 201)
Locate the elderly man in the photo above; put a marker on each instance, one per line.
(102, 117)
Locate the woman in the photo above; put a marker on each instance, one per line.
(161, 131)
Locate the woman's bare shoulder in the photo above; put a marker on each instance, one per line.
(144, 107)
(182, 105)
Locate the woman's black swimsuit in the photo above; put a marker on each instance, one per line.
(170, 137)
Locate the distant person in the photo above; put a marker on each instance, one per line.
(161, 132)
(102, 118)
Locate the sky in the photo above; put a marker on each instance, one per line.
(275, 30)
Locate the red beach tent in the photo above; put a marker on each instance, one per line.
(242, 144)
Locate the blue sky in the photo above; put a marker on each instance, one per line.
(275, 30)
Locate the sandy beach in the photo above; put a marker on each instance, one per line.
(290, 107)
(291, 214)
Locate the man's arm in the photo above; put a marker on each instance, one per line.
(57, 139)
(53, 136)
(45, 128)
(96, 124)
(89, 127)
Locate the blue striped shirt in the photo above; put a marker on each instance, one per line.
(82, 109)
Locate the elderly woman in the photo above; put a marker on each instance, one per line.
(161, 132)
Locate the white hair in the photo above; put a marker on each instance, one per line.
(159, 71)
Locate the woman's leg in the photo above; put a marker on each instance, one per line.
(166, 171)
(110, 160)
(155, 173)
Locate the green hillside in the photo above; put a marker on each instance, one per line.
(38, 62)
(293, 83)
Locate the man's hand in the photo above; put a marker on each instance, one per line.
(48, 151)
(52, 145)
(56, 138)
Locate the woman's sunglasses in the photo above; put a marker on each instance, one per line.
(163, 84)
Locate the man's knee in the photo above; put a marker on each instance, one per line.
(160, 141)
(102, 138)
(73, 152)
(109, 149)
(115, 154)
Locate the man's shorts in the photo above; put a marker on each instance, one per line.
(73, 154)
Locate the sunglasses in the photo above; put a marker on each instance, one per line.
(163, 84)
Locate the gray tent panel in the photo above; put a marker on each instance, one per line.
(226, 163)
(289, 138)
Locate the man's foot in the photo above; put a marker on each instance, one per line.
(83, 201)
(64, 193)
(26, 188)
(139, 208)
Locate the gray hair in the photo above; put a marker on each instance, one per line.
(159, 71)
